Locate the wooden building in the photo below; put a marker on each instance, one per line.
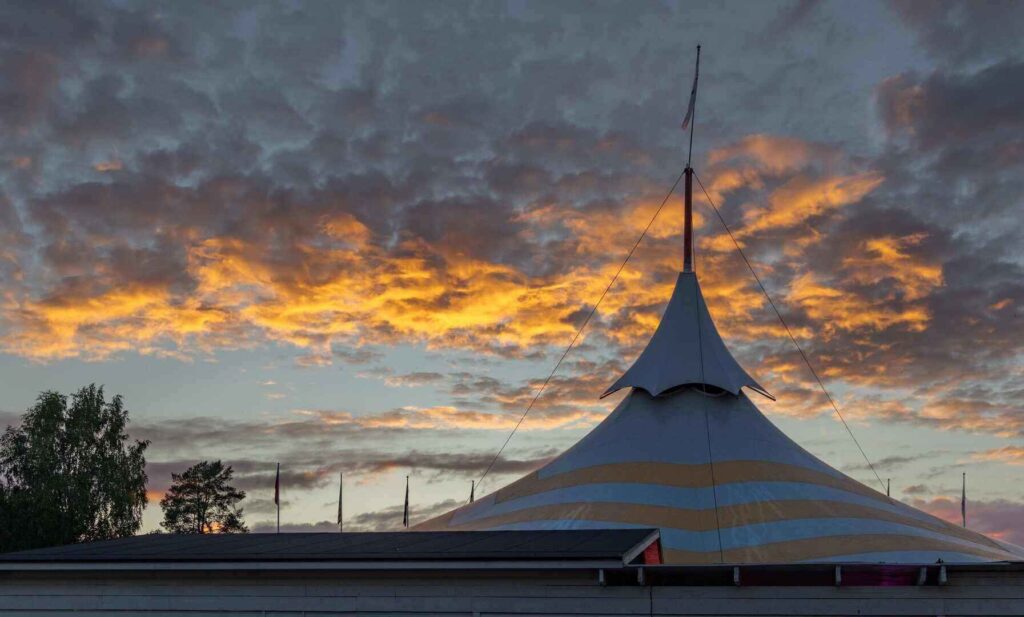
(572, 572)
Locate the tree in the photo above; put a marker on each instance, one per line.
(201, 500)
(69, 474)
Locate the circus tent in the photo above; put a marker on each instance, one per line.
(688, 452)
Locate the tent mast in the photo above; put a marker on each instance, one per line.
(688, 223)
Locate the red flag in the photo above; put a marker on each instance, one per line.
(405, 513)
(963, 501)
(693, 95)
(277, 486)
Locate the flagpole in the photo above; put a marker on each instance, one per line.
(277, 496)
(341, 495)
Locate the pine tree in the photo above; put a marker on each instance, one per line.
(201, 500)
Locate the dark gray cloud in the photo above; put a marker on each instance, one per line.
(390, 518)
(949, 108)
(286, 527)
(892, 462)
(964, 31)
(385, 519)
(187, 178)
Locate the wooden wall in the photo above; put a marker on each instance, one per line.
(562, 593)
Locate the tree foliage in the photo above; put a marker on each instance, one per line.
(201, 500)
(69, 474)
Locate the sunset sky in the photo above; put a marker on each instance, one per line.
(355, 237)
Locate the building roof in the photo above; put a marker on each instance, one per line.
(611, 545)
(707, 468)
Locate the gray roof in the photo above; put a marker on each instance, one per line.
(561, 545)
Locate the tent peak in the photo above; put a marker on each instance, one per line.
(686, 350)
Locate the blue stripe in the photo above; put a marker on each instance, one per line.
(685, 498)
(758, 534)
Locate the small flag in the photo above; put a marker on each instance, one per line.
(277, 496)
(277, 486)
(963, 500)
(405, 512)
(693, 95)
(472, 491)
(341, 494)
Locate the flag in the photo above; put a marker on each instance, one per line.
(405, 512)
(693, 95)
(341, 494)
(472, 491)
(277, 486)
(963, 500)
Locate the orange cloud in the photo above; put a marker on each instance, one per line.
(887, 257)
(997, 518)
(444, 417)
(107, 166)
(838, 309)
(1012, 455)
(803, 197)
(773, 154)
(134, 318)
(335, 283)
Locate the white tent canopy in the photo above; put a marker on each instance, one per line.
(687, 452)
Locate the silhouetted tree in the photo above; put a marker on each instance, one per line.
(201, 500)
(68, 473)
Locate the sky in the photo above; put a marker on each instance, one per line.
(355, 237)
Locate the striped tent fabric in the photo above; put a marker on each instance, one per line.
(686, 451)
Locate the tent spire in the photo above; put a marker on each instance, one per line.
(688, 122)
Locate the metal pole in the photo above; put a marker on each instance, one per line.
(688, 222)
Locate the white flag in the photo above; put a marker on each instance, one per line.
(693, 94)
(693, 102)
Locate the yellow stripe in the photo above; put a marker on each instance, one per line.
(682, 476)
(737, 515)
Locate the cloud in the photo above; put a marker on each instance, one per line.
(917, 489)
(945, 106)
(999, 518)
(390, 518)
(961, 31)
(1012, 455)
(891, 462)
(271, 527)
(306, 182)
(413, 380)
